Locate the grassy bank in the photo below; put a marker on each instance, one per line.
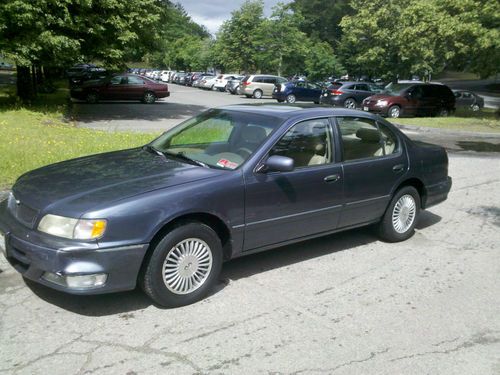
(33, 139)
(485, 121)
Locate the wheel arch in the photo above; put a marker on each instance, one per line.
(213, 221)
(417, 184)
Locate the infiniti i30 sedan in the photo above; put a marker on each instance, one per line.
(232, 181)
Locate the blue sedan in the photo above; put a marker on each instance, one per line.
(293, 91)
(229, 182)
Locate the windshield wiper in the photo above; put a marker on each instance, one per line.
(181, 155)
(153, 150)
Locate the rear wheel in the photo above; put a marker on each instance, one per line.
(398, 222)
(291, 98)
(394, 111)
(149, 98)
(475, 107)
(443, 112)
(184, 265)
(257, 94)
(92, 98)
(350, 103)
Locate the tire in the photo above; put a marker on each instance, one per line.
(165, 259)
(443, 112)
(257, 94)
(350, 103)
(248, 96)
(149, 98)
(291, 99)
(398, 223)
(475, 107)
(92, 98)
(394, 111)
(316, 102)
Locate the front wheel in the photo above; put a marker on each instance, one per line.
(184, 265)
(398, 222)
(291, 99)
(394, 111)
(92, 98)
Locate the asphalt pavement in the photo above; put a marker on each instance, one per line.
(343, 304)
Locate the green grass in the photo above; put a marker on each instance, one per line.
(32, 139)
(485, 121)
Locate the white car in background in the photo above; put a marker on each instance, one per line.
(208, 83)
(165, 75)
(222, 80)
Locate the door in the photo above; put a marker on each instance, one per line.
(115, 89)
(313, 92)
(373, 162)
(282, 206)
(135, 88)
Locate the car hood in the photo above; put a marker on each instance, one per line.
(79, 185)
(381, 97)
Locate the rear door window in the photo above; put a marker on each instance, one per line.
(360, 138)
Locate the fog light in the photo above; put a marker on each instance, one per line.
(86, 281)
(77, 281)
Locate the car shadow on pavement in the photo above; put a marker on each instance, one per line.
(118, 303)
(122, 110)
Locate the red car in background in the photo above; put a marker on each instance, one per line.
(412, 99)
(121, 87)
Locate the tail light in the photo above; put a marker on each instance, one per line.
(336, 92)
(246, 83)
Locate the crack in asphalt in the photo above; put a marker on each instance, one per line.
(477, 339)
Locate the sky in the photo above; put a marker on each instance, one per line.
(212, 13)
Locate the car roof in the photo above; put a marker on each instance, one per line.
(285, 111)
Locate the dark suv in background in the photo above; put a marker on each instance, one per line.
(412, 99)
(348, 94)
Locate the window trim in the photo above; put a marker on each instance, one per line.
(331, 131)
(371, 158)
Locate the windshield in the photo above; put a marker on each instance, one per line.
(395, 88)
(217, 138)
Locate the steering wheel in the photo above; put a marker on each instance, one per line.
(244, 152)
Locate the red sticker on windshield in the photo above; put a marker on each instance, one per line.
(227, 164)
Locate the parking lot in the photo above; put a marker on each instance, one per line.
(344, 304)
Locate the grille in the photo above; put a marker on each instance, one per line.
(23, 213)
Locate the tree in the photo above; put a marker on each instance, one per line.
(321, 18)
(392, 38)
(235, 46)
(280, 46)
(321, 62)
(60, 32)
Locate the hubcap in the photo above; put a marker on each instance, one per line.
(187, 266)
(403, 213)
(350, 104)
(291, 99)
(395, 112)
(149, 98)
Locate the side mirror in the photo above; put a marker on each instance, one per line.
(277, 163)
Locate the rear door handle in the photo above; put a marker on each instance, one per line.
(332, 178)
(398, 168)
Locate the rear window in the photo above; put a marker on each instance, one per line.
(334, 86)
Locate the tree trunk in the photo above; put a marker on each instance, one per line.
(24, 84)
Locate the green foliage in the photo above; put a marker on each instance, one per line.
(60, 32)
(389, 37)
(321, 18)
(321, 62)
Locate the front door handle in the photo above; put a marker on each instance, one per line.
(332, 178)
(398, 168)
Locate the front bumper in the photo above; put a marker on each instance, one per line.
(34, 254)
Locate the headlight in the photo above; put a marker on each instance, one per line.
(83, 229)
(381, 103)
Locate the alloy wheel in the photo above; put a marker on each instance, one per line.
(403, 214)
